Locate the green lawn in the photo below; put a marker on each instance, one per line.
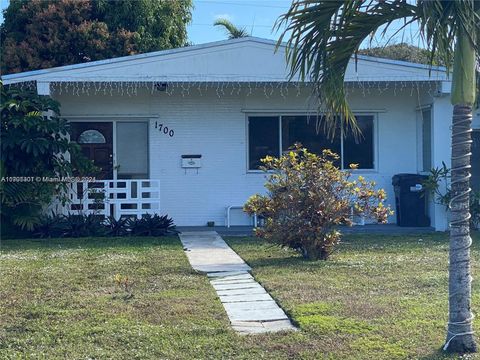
(377, 298)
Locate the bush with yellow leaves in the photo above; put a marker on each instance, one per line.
(307, 199)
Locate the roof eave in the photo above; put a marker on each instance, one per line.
(32, 73)
(42, 75)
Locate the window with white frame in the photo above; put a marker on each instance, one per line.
(268, 135)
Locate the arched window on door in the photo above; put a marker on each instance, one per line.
(91, 137)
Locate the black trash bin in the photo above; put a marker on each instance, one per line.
(410, 200)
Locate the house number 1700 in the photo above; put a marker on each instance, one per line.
(164, 129)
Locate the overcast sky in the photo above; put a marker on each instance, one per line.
(257, 16)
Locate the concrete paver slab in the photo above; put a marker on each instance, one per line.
(258, 327)
(251, 291)
(207, 252)
(234, 286)
(231, 279)
(245, 297)
(250, 308)
(226, 274)
(266, 314)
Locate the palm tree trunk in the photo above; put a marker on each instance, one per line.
(460, 336)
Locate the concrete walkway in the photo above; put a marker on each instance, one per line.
(249, 307)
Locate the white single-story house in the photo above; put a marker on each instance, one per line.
(181, 131)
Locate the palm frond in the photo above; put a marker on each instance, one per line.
(233, 31)
(25, 216)
(13, 193)
(442, 21)
(324, 35)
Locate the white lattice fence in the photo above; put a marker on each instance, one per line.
(115, 197)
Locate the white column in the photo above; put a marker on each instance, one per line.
(441, 150)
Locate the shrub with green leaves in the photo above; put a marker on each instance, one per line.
(151, 225)
(94, 225)
(307, 199)
(34, 145)
(438, 185)
(82, 225)
(50, 226)
(116, 227)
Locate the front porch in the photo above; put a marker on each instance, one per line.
(119, 148)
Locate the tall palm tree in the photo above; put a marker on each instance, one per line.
(323, 36)
(232, 31)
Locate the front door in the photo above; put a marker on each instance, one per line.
(96, 142)
(475, 161)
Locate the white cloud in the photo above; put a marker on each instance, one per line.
(223, 16)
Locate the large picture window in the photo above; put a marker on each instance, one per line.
(303, 130)
(268, 134)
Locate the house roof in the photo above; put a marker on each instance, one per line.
(248, 59)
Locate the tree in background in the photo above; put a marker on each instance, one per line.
(323, 36)
(40, 34)
(154, 24)
(233, 32)
(402, 51)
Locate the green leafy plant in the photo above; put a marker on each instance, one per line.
(116, 227)
(82, 225)
(93, 225)
(437, 177)
(308, 198)
(134, 226)
(403, 52)
(88, 30)
(438, 184)
(34, 146)
(151, 225)
(50, 226)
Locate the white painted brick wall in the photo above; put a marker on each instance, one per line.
(216, 128)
